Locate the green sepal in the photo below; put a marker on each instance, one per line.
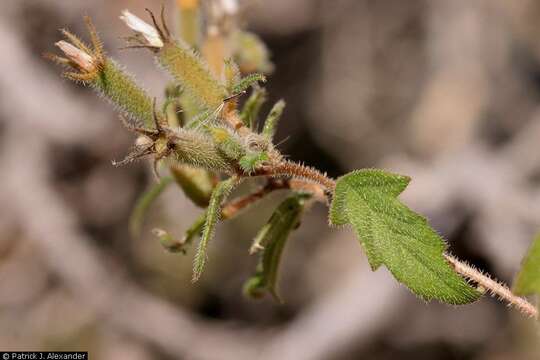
(195, 148)
(249, 162)
(143, 204)
(528, 279)
(252, 107)
(271, 241)
(227, 143)
(272, 120)
(394, 236)
(213, 213)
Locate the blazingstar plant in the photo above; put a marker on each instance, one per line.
(210, 145)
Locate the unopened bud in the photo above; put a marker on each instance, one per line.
(82, 59)
(141, 27)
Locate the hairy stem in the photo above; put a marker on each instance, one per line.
(292, 169)
(493, 287)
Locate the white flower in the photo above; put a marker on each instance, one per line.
(84, 60)
(139, 26)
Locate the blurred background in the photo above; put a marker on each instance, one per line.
(447, 92)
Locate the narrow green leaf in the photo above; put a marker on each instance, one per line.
(232, 75)
(271, 240)
(528, 279)
(394, 236)
(270, 124)
(143, 204)
(248, 81)
(252, 107)
(213, 213)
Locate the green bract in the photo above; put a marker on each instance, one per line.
(213, 213)
(271, 241)
(528, 279)
(394, 236)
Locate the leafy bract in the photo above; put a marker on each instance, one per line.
(395, 236)
(271, 241)
(528, 279)
(213, 213)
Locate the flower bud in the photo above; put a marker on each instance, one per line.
(136, 24)
(79, 57)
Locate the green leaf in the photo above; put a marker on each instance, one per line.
(213, 213)
(232, 75)
(252, 107)
(227, 143)
(247, 81)
(144, 202)
(270, 125)
(528, 279)
(394, 236)
(271, 240)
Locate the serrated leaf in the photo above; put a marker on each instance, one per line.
(144, 202)
(213, 213)
(528, 279)
(395, 236)
(271, 240)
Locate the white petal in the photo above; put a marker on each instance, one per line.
(79, 57)
(138, 25)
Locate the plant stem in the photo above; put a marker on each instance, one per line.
(493, 287)
(295, 170)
